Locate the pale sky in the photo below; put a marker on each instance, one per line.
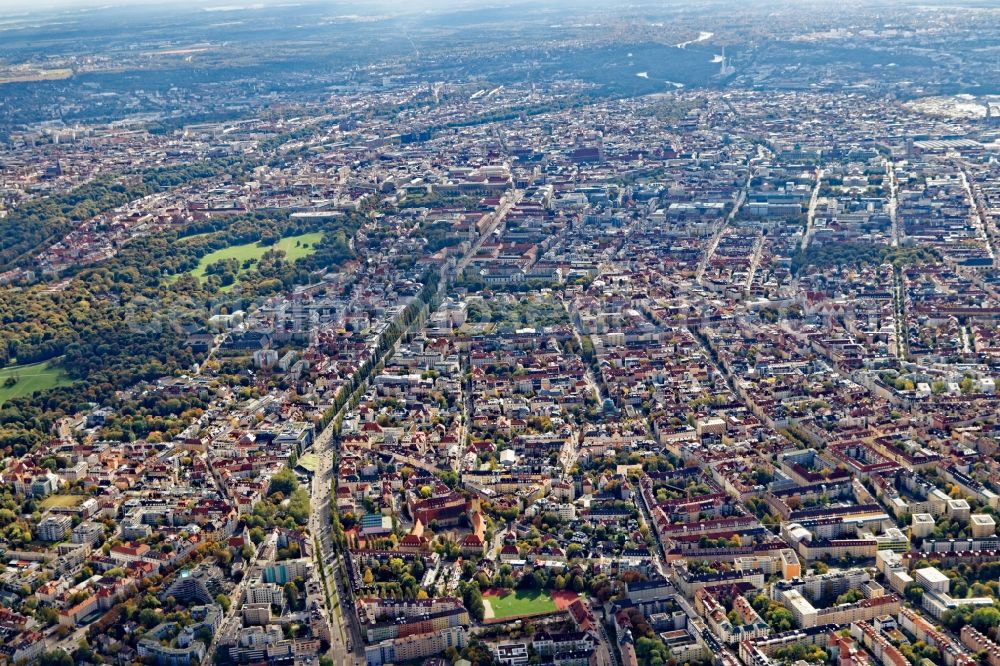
(10, 8)
(20, 8)
(24, 7)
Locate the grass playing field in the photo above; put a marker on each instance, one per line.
(30, 378)
(521, 602)
(62, 501)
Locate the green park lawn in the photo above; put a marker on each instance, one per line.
(521, 602)
(295, 247)
(30, 378)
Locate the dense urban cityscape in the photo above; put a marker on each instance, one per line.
(458, 334)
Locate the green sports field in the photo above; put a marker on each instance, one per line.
(62, 501)
(521, 602)
(30, 378)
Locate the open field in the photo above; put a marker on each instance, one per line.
(294, 247)
(30, 378)
(502, 604)
(62, 501)
(309, 461)
(27, 75)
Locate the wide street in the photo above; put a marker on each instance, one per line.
(346, 645)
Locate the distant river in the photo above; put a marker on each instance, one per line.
(702, 36)
(645, 75)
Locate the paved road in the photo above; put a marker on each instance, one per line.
(499, 215)
(811, 214)
(68, 644)
(216, 343)
(980, 221)
(893, 203)
(236, 595)
(758, 252)
(714, 243)
(343, 633)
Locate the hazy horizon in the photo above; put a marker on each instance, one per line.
(16, 8)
